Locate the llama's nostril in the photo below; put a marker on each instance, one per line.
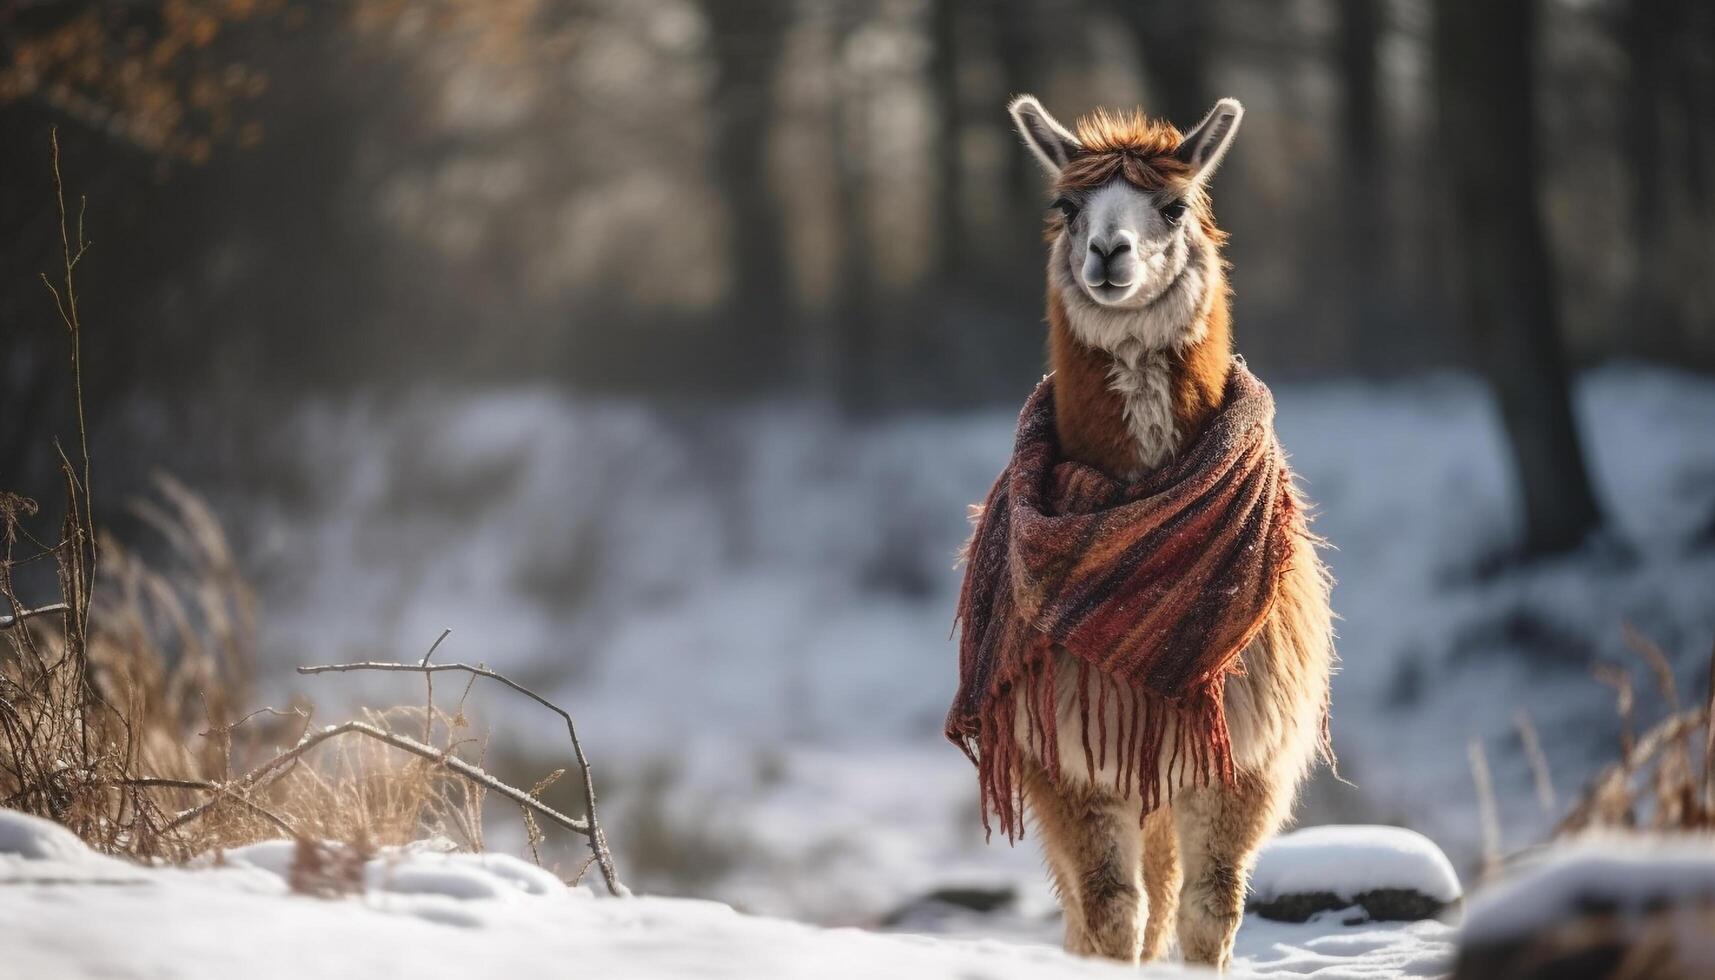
(1107, 254)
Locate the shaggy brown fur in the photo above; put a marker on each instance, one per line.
(1155, 588)
(1130, 893)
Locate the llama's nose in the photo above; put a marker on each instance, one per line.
(1108, 255)
(1108, 250)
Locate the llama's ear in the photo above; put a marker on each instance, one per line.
(1205, 145)
(1053, 146)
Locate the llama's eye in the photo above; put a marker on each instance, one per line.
(1067, 207)
(1172, 211)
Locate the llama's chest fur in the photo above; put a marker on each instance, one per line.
(1142, 345)
(1143, 378)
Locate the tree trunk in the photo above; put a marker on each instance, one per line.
(1669, 128)
(748, 37)
(857, 345)
(1485, 102)
(1173, 38)
(1369, 289)
(949, 143)
(1017, 43)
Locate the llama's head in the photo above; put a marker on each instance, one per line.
(1131, 218)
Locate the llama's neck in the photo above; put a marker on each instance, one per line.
(1132, 387)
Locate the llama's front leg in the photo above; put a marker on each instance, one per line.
(1161, 882)
(1092, 842)
(1220, 831)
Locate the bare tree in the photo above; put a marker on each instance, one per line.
(1173, 38)
(748, 38)
(1670, 147)
(1369, 291)
(1019, 49)
(949, 153)
(1485, 96)
(857, 335)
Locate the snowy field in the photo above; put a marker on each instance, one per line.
(748, 612)
(66, 913)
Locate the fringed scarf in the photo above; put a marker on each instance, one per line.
(1154, 588)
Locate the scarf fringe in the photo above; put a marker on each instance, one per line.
(1149, 763)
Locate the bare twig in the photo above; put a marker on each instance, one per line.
(1709, 742)
(1538, 762)
(1658, 662)
(1621, 681)
(436, 646)
(1486, 812)
(429, 686)
(597, 840)
(230, 727)
(13, 619)
(216, 788)
(583, 869)
(66, 305)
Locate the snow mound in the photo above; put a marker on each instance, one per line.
(27, 842)
(1623, 874)
(33, 838)
(1349, 860)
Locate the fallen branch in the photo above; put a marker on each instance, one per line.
(13, 619)
(597, 839)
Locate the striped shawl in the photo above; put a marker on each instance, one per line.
(1154, 588)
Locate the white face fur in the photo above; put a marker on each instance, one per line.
(1123, 246)
(1131, 267)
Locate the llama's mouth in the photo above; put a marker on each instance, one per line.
(1110, 293)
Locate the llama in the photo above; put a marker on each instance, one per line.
(1139, 342)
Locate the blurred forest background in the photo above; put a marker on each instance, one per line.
(732, 197)
(657, 346)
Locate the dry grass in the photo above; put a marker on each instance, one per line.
(124, 704)
(118, 732)
(1664, 778)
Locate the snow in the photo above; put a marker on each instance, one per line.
(429, 914)
(1351, 860)
(38, 840)
(1327, 947)
(1608, 872)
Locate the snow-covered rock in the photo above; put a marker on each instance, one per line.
(1605, 873)
(1390, 872)
(1605, 900)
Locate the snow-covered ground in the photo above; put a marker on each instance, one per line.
(748, 610)
(66, 913)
